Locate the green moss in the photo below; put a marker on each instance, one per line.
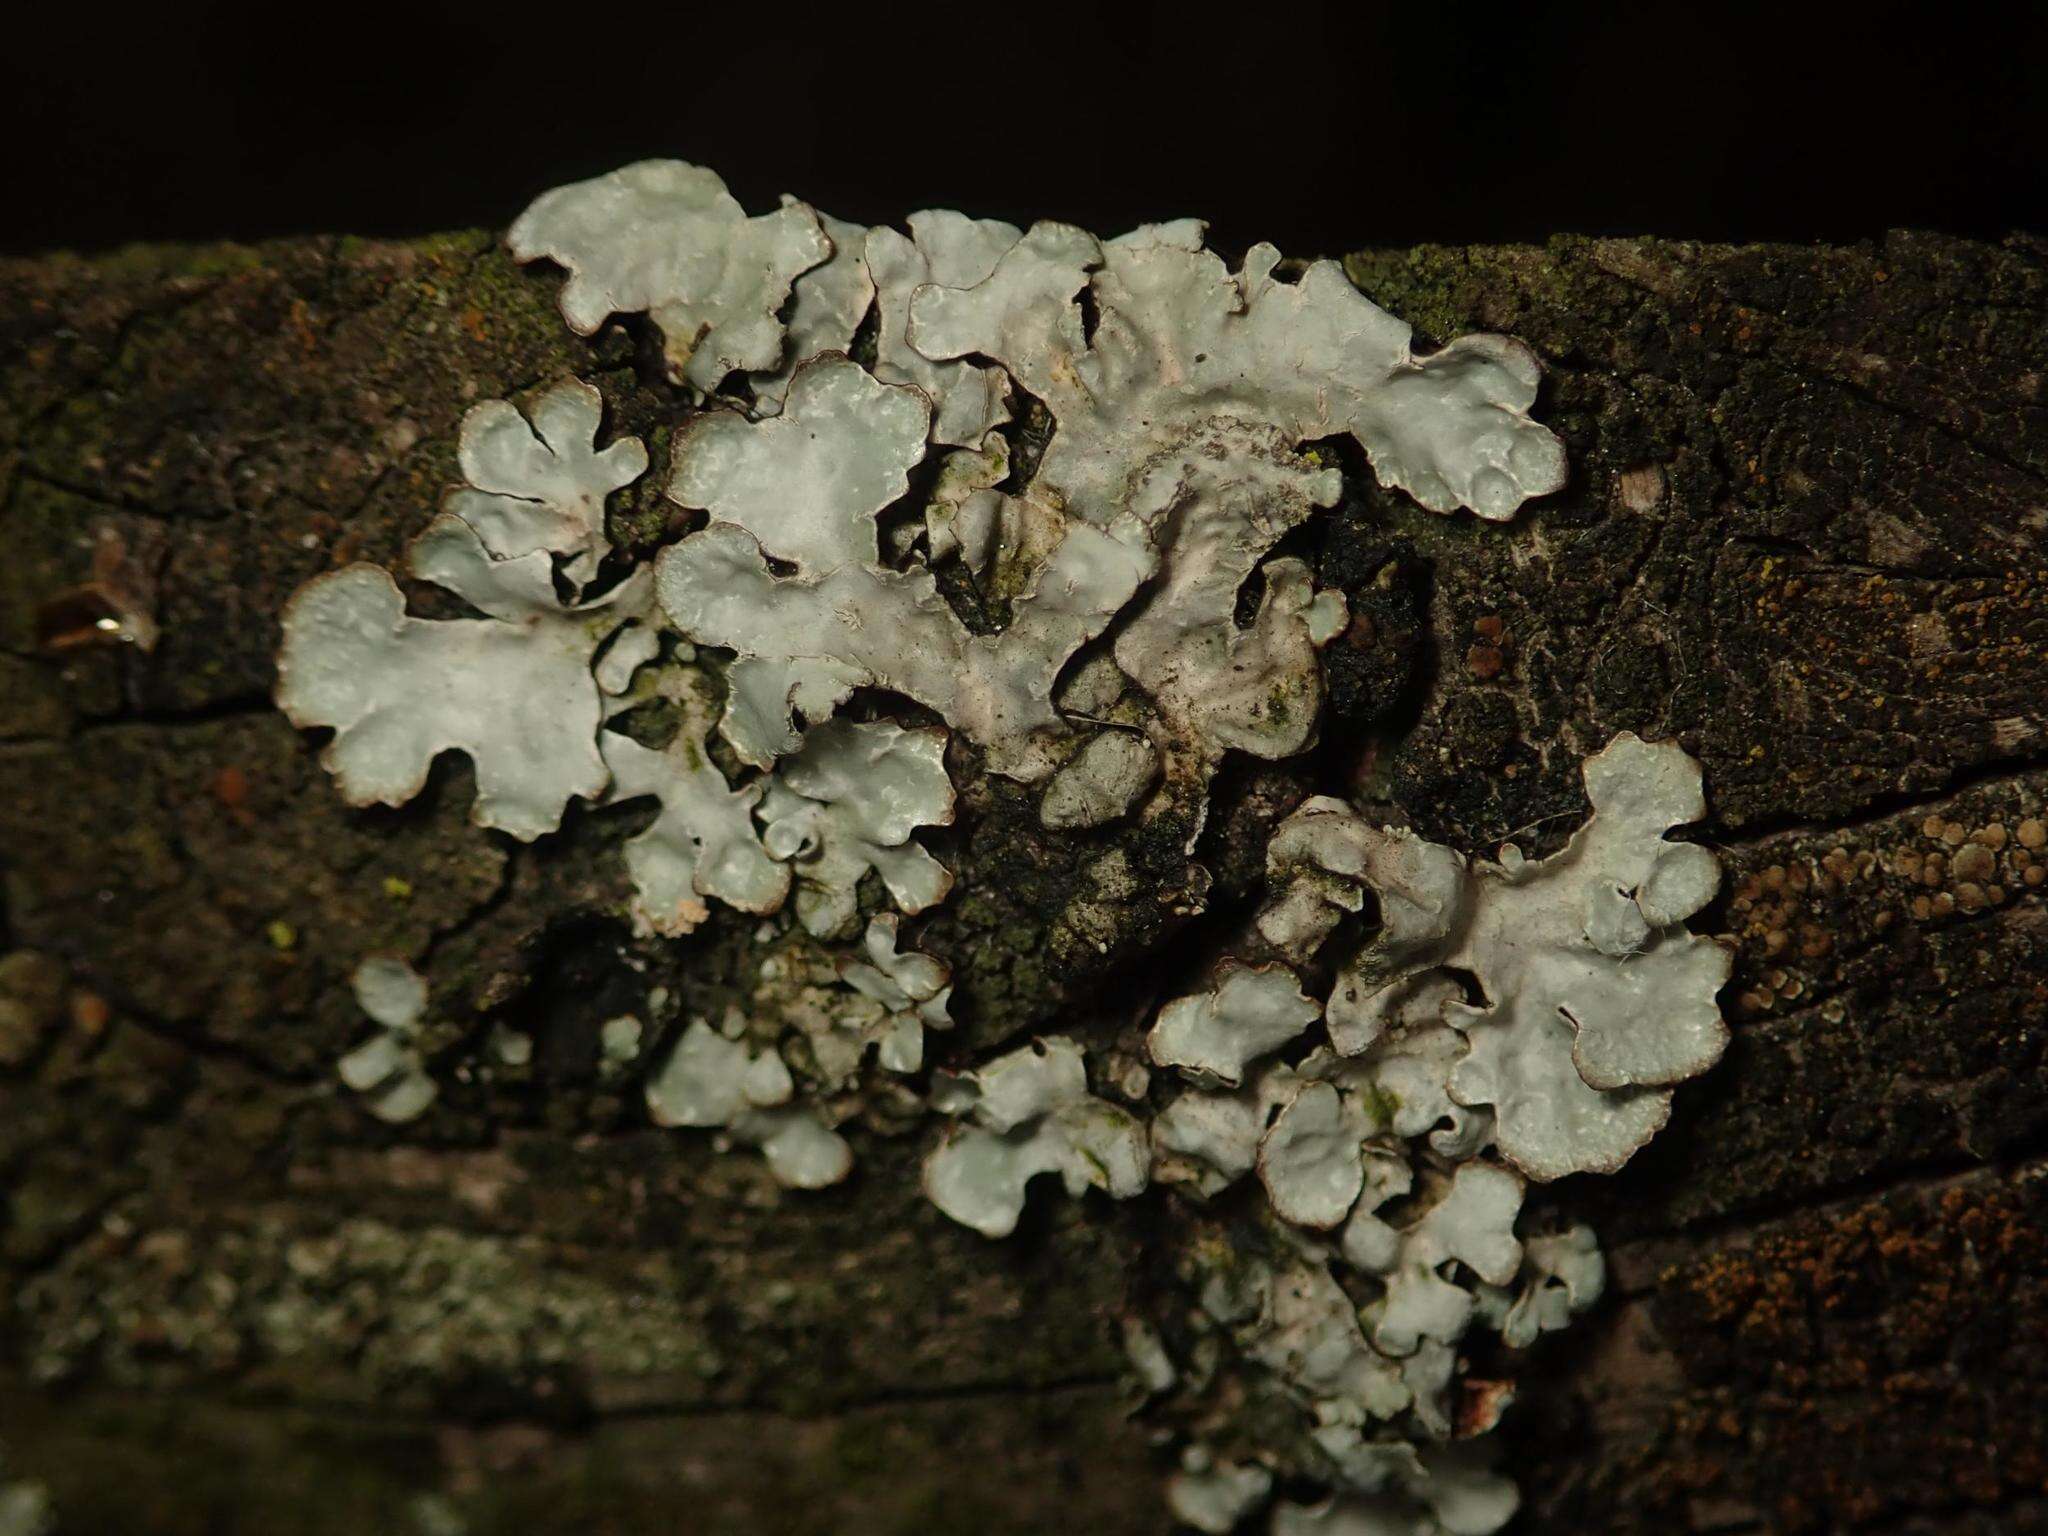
(153, 264)
(1418, 285)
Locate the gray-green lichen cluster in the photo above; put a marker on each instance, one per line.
(1393, 1152)
(798, 639)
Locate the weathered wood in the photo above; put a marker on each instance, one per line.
(1804, 537)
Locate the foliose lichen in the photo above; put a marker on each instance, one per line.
(1100, 611)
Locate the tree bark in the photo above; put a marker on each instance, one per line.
(1804, 537)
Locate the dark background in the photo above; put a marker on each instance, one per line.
(1318, 127)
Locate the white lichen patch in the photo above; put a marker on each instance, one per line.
(1215, 1497)
(1218, 503)
(1420, 890)
(704, 845)
(666, 239)
(805, 488)
(1597, 998)
(389, 1069)
(711, 1081)
(1311, 1159)
(1562, 1275)
(512, 690)
(1472, 1222)
(953, 251)
(1403, 1077)
(1306, 1331)
(807, 639)
(827, 305)
(963, 517)
(1178, 424)
(1380, 1136)
(1250, 1011)
(800, 985)
(539, 482)
(618, 1043)
(1178, 429)
(1447, 1491)
(1210, 1140)
(847, 803)
(26, 1508)
(633, 645)
(1180, 339)
(1030, 1112)
(911, 990)
(806, 485)
(1317, 865)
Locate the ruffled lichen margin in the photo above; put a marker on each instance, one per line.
(1082, 623)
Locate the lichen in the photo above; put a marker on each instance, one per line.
(1101, 784)
(537, 482)
(1030, 1112)
(25, 1506)
(389, 1069)
(842, 619)
(1597, 999)
(1049, 513)
(954, 251)
(710, 1081)
(1250, 1011)
(1215, 1497)
(827, 305)
(512, 690)
(704, 844)
(667, 238)
(848, 801)
(912, 990)
(1178, 421)
(1376, 1165)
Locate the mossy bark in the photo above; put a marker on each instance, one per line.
(1804, 537)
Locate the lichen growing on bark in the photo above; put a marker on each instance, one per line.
(1689, 572)
(1179, 458)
